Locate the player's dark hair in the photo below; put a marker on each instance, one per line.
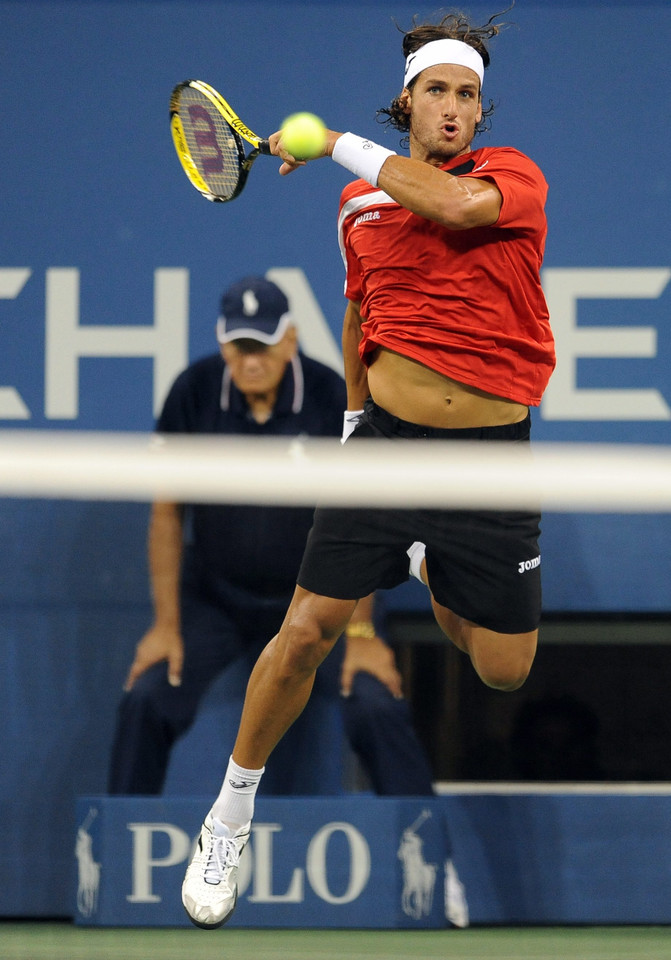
(452, 26)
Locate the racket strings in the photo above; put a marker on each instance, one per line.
(215, 147)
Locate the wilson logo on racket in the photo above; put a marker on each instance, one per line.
(208, 134)
(205, 134)
(185, 157)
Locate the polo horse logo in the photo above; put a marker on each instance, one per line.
(419, 877)
(89, 870)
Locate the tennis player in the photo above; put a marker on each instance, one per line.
(446, 336)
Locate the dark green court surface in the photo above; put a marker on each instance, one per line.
(62, 941)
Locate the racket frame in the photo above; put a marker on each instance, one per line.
(238, 130)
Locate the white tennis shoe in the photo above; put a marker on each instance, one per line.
(210, 888)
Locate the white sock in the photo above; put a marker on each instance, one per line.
(235, 804)
(416, 552)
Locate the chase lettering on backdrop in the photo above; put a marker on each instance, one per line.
(67, 340)
(12, 282)
(313, 329)
(166, 340)
(563, 288)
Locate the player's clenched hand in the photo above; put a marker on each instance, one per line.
(157, 645)
(290, 163)
(370, 656)
(278, 149)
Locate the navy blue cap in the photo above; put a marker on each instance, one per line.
(254, 308)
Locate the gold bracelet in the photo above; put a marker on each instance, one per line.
(360, 630)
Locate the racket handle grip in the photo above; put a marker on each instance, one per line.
(264, 147)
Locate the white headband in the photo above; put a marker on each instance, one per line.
(443, 51)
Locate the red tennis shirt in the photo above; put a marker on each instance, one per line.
(467, 303)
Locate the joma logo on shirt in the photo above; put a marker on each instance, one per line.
(365, 217)
(525, 565)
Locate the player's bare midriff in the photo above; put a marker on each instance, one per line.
(413, 392)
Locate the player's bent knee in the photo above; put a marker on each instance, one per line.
(303, 648)
(506, 664)
(505, 680)
(310, 629)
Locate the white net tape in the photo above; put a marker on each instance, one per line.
(141, 467)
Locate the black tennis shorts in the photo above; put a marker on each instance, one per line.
(484, 565)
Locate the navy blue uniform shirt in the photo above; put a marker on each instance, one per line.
(255, 549)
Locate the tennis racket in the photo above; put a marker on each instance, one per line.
(208, 136)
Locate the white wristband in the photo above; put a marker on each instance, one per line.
(350, 423)
(361, 157)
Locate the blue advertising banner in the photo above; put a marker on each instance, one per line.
(555, 857)
(322, 862)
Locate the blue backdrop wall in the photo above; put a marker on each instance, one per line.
(111, 266)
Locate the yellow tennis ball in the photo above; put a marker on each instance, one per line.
(304, 135)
